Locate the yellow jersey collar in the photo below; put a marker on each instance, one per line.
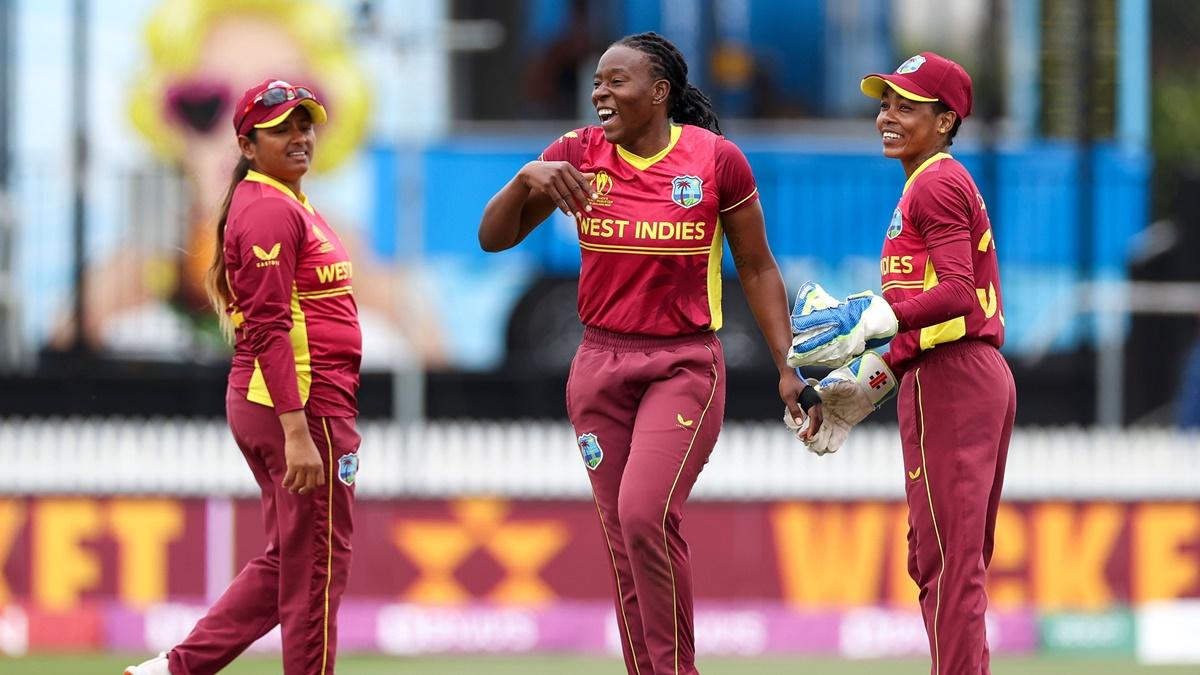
(925, 165)
(263, 178)
(642, 163)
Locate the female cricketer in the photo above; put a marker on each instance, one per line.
(282, 280)
(941, 301)
(653, 190)
(957, 398)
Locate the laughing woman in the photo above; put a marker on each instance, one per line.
(654, 191)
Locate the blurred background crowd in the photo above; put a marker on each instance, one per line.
(114, 151)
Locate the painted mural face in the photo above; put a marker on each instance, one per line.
(147, 295)
(202, 119)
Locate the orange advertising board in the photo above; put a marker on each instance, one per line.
(56, 553)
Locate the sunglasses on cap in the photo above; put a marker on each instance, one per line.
(276, 95)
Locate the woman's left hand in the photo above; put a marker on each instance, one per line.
(790, 388)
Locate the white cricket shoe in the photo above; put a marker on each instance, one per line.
(155, 666)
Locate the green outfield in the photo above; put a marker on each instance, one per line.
(562, 665)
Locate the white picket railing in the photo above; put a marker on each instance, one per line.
(540, 460)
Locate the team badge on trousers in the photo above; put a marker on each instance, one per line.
(589, 447)
(348, 468)
(687, 191)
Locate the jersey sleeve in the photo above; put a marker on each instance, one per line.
(735, 180)
(267, 243)
(568, 148)
(941, 213)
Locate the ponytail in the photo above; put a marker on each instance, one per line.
(216, 284)
(688, 105)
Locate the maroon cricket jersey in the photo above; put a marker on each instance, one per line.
(298, 343)
(651, 246)
(938, 266)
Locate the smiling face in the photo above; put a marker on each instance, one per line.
(911, 131)
(285, 150)
(628, 98)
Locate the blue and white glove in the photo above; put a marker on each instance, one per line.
(848, 395)
(828, 332)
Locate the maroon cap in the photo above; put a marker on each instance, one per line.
(270, 102)
(925, 77)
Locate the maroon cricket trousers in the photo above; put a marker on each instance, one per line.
(298, 581)
(956, 408)
(647, 412)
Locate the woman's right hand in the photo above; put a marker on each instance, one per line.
(305, 472)
(567, 186)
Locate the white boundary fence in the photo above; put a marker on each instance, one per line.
(540, 460)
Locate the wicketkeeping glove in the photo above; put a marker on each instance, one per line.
(827, 332)
(848, 395)
(827, 439)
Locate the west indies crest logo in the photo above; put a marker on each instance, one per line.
(687, 191)
(897, 225)
(589, 447)
(911, 66)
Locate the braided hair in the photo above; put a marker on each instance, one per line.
(687, 104)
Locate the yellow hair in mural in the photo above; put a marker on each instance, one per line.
(175, 38)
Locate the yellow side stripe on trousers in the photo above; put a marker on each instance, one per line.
(937, 607)
(328, 548)
(617, 576)
(667, 508)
